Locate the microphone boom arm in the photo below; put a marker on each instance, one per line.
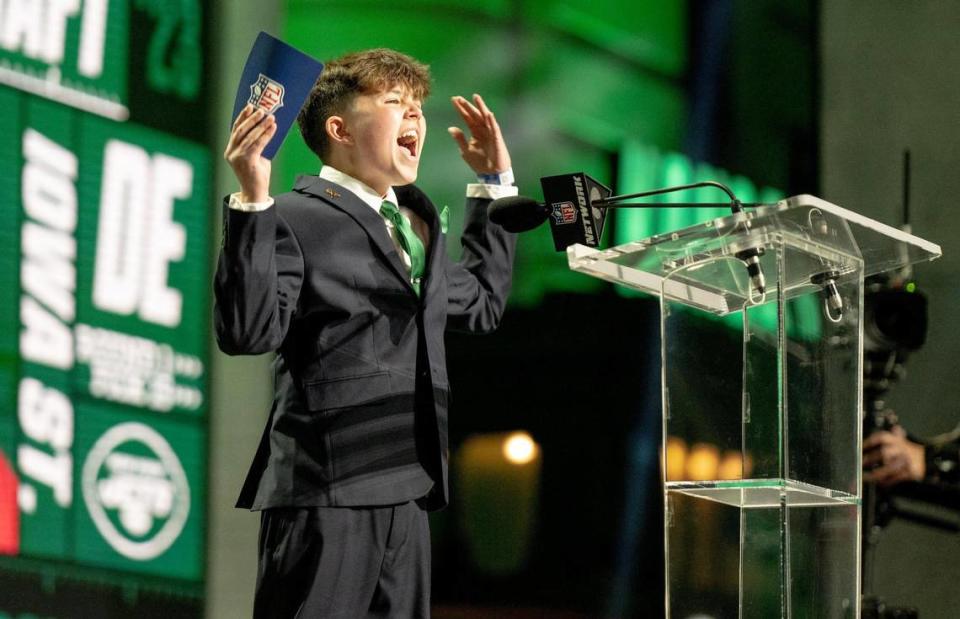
(750, 256)
(734, 203)
(613, 202)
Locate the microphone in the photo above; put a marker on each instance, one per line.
(572, 204)
(827, 280)
(517, 213)
(832, 301)
(751, 258)
(576, 207)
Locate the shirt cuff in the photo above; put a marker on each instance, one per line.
(497, 178)
(491, 192)
(248, 207)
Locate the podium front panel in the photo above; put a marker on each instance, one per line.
(762, 443)
(730, 562)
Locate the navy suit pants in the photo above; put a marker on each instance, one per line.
(326, 562)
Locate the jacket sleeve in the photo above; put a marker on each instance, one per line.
(478, 285)
(257, 282)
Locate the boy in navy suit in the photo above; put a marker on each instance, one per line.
(346, 277)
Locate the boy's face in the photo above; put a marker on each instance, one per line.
(388, 131)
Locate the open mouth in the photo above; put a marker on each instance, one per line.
(408, 141)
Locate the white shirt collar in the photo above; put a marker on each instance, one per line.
(359, 189)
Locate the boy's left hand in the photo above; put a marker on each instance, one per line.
(485, 151)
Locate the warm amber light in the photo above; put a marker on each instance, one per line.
(676, 458)
(703, 461)
(519, 448)
(731, 466)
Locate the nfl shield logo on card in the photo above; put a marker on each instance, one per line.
(564, 213)
(266, 94)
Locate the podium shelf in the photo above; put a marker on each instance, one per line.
(763, 493)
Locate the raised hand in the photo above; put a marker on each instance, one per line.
(251, 133)
(485, 152)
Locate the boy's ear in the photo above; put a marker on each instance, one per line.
(336, 128)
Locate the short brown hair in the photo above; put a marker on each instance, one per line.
(358, 73)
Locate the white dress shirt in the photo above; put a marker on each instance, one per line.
(372, 199)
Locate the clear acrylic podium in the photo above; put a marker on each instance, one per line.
(761, 393)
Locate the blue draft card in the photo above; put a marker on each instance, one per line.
(276, 78)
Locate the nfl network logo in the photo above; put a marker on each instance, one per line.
(564, 213)
(266, 94)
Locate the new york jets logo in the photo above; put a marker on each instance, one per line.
(136, 491)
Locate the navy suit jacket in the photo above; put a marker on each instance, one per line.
(359, 416)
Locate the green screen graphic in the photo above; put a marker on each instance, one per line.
(111, 259)
(103, 331)
(69, 51)
(142, 487)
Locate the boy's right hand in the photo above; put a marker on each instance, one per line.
(251, 133)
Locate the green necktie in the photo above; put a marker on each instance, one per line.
(409, 240)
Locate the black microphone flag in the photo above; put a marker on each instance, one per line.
(569, 202)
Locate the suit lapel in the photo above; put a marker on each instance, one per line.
(368, 219)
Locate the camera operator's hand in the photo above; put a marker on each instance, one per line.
(890, 458)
